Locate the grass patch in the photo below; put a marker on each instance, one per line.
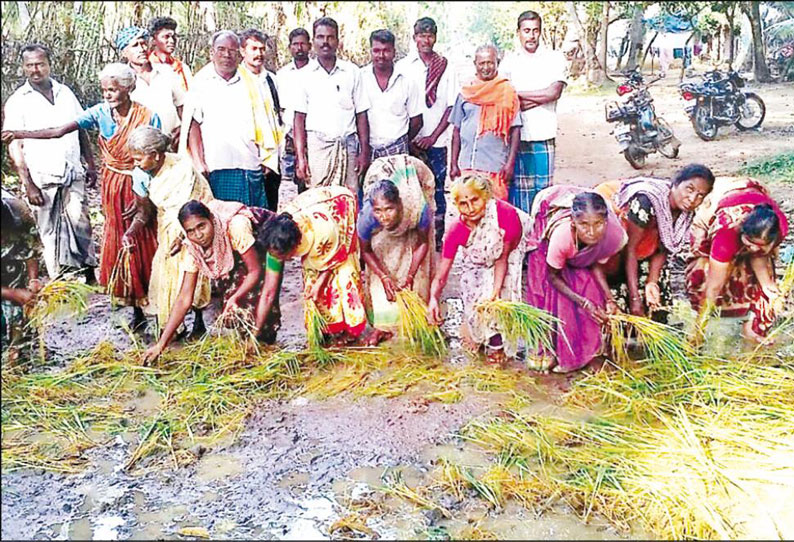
(778, 167)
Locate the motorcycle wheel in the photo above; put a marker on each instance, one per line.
(756, 105)
(635, 157)
(668, 149)
(705, 126)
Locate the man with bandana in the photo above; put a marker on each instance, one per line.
(163, 33)
(156, 85)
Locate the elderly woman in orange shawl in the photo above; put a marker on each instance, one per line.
(487, 124)
(126, 230)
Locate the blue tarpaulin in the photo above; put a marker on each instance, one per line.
(669, 23)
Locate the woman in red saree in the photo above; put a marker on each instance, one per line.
(125, 229)
(735, 235)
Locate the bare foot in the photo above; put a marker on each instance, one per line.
(752, 336)
(496, 357)
(377, 336)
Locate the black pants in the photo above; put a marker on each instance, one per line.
(272, 184)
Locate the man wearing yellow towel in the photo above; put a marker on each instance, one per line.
(234, 136)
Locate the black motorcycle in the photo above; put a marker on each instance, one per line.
(640, 131)
(718, 101)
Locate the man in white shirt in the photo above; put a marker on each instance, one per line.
(50, 169)
(431, 72)
(156, 85)
(231, 139)
(253, 44)
(331, 128)
(539, 76)
(289, 83)
(395, 114)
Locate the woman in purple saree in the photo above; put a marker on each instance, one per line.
(574, 233)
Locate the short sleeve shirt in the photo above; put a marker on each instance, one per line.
(536, 71)
(28, 109)
(487, 152)
(162, 94)
(332, 100)
(391, 109)
(289, 88)
(446, 94)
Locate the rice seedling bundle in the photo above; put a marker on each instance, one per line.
(121, 276)
(520, 321)
(414, 327)
(665, 346)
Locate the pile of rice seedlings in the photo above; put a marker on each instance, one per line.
(414, 327)
(520, 321)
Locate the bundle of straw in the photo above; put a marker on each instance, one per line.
(516, 320)
(414, 326)
(316, 328)
(121, 276)
(663, 344)
(59, 298)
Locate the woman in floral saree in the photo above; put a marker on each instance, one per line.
(657, 215)
(735, 236)
(319, 226)
(491, 237)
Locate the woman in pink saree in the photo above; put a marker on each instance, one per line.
(574, 233)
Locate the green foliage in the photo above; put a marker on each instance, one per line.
(779, 167)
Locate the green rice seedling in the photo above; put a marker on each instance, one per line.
(414, 327)
(316, 329)
(519, 321)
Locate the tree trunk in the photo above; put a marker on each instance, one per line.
(636, 35)
(760, 69)
(595, 74)
(731, 16)
(603, 35)
(648, 49)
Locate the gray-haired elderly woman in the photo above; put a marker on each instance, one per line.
(166, 181)
(125, 223)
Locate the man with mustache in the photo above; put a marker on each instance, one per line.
(50, 170)
(430, 71)
(156, 85)
(539, 76)
(395, 115)
(253, 44)
(163, 33)
(331, 127)
(289, 83)
(487, 125)
(234, 138)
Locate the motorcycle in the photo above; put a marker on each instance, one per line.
(639, 131)
(718, 101)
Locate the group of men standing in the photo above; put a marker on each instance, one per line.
(318, 121)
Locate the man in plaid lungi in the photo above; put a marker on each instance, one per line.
(539, 76)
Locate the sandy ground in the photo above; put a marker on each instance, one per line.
(300, 464)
